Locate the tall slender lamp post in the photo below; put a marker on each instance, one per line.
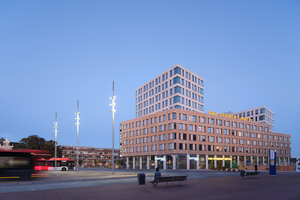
(55, 131)
(113, 125)
(77, 165)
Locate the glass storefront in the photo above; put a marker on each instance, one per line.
(130, 163)
(202, 162)
(169, 161)
(144, 162)
(137, 162)
(193, 161)
(181, 161)
(277, 161)
(234, 161)
(260, 161)
(160, 161)
(219, 162)
(281, 161)
(227, 161)
(211, 162)
(151, 162)
(266, 163)
(248, 161)
(241, 161)
(254, 160)
(123, 162)
(286, 162)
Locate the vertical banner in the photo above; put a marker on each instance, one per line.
(272, 163)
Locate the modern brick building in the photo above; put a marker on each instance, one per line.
(176, 87)
(171, 130)
(180, 139)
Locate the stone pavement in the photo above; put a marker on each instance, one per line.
(282, 186)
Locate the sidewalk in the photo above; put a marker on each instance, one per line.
(282, 186)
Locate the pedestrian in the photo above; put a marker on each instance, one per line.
(255, 167)
(157, 174)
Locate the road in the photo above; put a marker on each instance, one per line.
(98, 177)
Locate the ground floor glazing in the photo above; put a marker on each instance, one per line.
(198, 161)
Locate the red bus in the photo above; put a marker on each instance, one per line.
(63, 164)
(19, 164)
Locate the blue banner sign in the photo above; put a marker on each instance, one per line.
(272, 163)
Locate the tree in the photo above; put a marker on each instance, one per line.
(50, 147)
(32, 142)
(39, 143)
(2, 139)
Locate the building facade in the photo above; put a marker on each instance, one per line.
(5, 144)
(92, 156)
(181, 139)
(177, 87)
(260, 114)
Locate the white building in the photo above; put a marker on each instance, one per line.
(260, 114)
(176, 87)
(5, 144)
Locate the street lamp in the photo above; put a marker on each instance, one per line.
(55, 131)
(77, 135)
(113, 124)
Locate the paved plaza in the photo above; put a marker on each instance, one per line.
(101, 184)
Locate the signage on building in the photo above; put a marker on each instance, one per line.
(229, 116)
(218, 158)
(272, 163)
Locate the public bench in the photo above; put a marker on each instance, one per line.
(243, 173)
(168, 179)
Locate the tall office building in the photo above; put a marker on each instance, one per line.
(176, 87)
(260, 114)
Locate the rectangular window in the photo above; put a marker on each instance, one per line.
(180, 127)
(208, 129)
(180, 146)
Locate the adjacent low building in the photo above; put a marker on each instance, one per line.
(92, 156)
(181, 139)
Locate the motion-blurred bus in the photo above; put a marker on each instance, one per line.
(20, 164)
(63, 164)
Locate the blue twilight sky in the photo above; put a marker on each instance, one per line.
(53, 53)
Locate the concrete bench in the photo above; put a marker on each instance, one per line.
(168, 179)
